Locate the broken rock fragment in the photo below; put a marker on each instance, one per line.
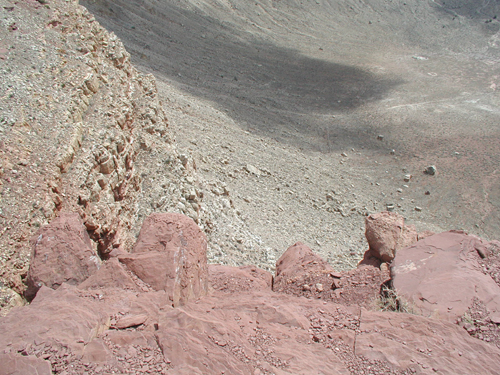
(171, 254)
(386, 232)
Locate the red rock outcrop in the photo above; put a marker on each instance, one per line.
(171, 255)
(386, 233)
(300, 272)
(61, 253)
(296, 264)
(441, 276)
(115, 322)
(227, 279)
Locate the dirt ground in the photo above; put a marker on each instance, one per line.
(316, 113)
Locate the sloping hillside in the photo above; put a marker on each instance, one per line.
(289, 86)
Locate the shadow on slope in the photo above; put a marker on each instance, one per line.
(486, 12)
(262, 86)
(473, 9)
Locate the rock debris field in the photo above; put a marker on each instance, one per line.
(233, 187)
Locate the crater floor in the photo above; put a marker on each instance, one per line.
(314, 113)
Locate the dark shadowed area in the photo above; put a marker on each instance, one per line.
(262, 85)
(331, 76)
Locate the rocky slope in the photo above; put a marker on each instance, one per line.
(284, 102)
(81, 130)
(88, 157)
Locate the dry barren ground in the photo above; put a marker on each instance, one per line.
(314, 113)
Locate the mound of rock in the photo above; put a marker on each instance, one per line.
(307, 319)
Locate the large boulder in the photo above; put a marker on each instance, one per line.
(171, 255)
(61, 253)
(441, 276)
(297, 267)
(386, 233)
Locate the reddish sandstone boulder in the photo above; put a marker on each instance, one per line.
(171, 255)
(386, 233)
(61, 253)
(298, 264)
(441, 276)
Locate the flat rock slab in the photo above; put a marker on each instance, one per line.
(440, 276)
(247, 333)
(17, 364)
(428, 346)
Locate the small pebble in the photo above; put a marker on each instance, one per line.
(430, 170)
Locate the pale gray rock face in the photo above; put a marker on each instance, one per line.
(90, 126)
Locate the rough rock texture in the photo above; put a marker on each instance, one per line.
(427, 346)
(116, 322)
(61, 253)
(238, 279)
(373, 80)
(171, 255)
(15, 364)
(81, 130)
(302, 273)
(442, 275)
(386, 233)
(480, 323)
(111, 274)
(308, 263)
